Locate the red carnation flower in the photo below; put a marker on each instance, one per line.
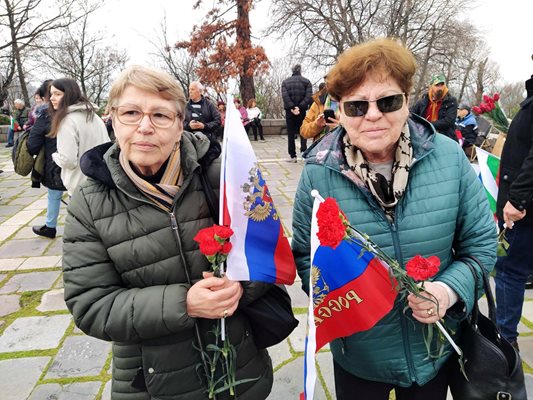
(421, 269)
(204, 234)
(210, 247)
(222, 232)
(226, 248)
(496, 96)
(476, 109)
(331, 223)
(486, 98)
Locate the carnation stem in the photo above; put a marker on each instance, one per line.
(223, 320)
(452, 342)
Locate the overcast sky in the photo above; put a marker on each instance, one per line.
(506, 24)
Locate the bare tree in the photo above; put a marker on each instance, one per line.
(177, 62)
(511, 95)
(25, 21)
(81, 55)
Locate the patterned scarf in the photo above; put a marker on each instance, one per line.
(387, 194)
(162, 193)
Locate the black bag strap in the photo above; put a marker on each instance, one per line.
(486, 286)
(210, 195)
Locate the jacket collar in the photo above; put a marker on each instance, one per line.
(329, 151)
(102, 164)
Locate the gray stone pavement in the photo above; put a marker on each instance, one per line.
(44, 356)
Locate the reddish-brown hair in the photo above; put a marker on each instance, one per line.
(385, 58)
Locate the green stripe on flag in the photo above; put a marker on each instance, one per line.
(494, 164)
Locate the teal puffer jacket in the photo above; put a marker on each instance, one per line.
(444, 212)
(125, 281)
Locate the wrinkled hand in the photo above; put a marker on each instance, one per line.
(511, 214)
(211, 296)
(425, 311)
(295, 110)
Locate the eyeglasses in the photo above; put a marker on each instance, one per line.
(130, 115)
(387, 104)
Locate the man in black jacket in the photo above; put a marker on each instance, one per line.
(201, 115)
(515, 209)
(438, 107)
(296, 92)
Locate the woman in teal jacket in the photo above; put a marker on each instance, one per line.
(413, 192)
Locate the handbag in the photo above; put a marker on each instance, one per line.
(492, 366)
(271, 317)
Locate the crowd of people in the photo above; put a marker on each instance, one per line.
(134, 275)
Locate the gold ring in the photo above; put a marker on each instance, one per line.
(430, 312)
(225, 314)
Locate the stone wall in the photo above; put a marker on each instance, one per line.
(274, 126)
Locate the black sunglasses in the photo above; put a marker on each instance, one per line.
(387, 104)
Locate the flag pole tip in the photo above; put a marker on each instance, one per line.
(315, 193)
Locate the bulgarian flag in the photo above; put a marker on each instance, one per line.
(14, 124)
(489, 166)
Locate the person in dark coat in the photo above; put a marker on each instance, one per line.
(52, 172)
(515, 209)
(133, 274)
(296, 92)
(201, 115)
(438, 107)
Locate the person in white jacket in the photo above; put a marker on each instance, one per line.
(77, 128)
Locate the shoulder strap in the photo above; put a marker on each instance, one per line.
(210, 196)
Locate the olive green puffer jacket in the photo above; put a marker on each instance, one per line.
(125, 282)
(444, 212)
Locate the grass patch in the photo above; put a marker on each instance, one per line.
(28, 302)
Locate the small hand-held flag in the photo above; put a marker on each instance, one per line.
(261, 251)
(350, 291)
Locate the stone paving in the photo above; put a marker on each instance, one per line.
(43, 356)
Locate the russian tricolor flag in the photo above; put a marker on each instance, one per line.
(351, 291)
(260, 251)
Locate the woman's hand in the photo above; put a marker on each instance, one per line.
(333, 123)
(213, 298)
(425, 311)
(320, 121)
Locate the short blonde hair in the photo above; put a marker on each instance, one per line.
(153, 81)
(385, 57)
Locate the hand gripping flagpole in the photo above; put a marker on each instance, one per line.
(315, 193)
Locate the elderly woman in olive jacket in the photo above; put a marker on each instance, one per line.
(133, 274)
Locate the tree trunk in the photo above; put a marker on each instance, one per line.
(424, 67)
(244, 42)
(479, 80)
(20, 73)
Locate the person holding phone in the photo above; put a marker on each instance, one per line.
(321, 117)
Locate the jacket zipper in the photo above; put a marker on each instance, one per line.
(393, 228)
(174, 227)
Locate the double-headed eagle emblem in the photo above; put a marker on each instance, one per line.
(258, 203)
